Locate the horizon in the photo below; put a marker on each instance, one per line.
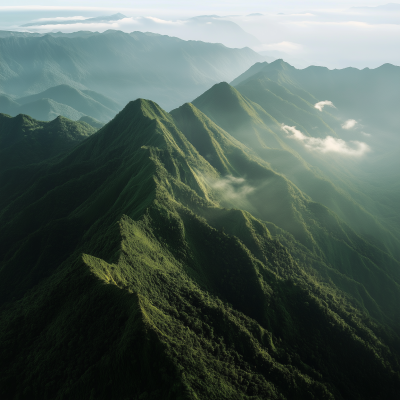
(331, 34)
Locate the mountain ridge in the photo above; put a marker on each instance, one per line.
(263, 293)
(128, 65)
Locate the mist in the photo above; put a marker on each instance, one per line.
(332, 34)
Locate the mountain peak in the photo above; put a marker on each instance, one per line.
(227, 107)
(219, 92)
(148, 108)
(280, 64)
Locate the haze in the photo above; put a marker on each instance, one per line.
(335, 34)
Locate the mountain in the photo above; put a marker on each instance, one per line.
(47, 109)
(207, 28)
(366, 98)
(86, 102)
(61, 100)
(91, 121)
(24, 140)
(163, 258)
(253, 126)
(368, 95)
(109, 18)
(7, 104)
(118, 65)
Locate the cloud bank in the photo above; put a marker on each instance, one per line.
(349, 124)
(321, 104)
(329, 144)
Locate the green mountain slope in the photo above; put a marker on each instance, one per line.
(368, 97)
(119, 65)
(253, 126)
(311, 224)
(369, 94)
(91, 121)
(123, 275)
(24, 140)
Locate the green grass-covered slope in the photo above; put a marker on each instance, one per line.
(23, 140)
(368, 96)
(123, 276)
(248, 122)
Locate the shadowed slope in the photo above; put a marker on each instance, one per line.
(24, 140)
(91, 121)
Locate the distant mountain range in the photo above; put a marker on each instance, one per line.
(118, 65)
(367, 94)
(207, 28)
(230, 248)
(114, 17)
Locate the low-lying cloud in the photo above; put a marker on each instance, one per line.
(232, 188)
(321, 104)
(349, 124)
(285, 46)
(328, 144)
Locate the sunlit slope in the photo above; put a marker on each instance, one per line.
(24, 140)
(368, 97)
(272, 197)
(369, 94)
(253, 126)
(122, 275)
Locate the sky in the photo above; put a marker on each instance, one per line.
(335, 34)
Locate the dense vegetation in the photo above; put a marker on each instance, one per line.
(192, 255)
(24, 141)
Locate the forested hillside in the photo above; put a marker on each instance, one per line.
(200, 253)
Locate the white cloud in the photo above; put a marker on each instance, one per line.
(232, 188)
(125, 24)
(165, 22)
(328, 144)
(297, 15)
(349, 124)
(357, 24)
(321, 104)
(366, 134)
(60, 19)
(288, 47)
